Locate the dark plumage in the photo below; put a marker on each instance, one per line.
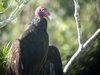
(53, 64)
(28, 53)
(31, 55)
(34, 44)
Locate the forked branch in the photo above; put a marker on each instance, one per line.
(81, 45)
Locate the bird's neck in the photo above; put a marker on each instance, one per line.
(37, 24)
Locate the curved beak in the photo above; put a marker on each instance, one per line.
(48, 14)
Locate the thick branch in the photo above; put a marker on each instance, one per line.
(14, 14)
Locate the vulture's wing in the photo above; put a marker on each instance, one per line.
(55, 59)
(13, 59)
(53, 65)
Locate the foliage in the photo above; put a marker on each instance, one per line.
(3, 5)
(3, 57)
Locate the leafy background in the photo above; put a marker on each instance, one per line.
(61, 29)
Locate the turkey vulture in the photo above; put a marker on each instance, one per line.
(27, 54)
(53, 64)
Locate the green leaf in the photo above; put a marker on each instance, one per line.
(1, 6)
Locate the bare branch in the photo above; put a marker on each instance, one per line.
(85, 45)
(72, 59)
(14, 14)
(77, 19)
(92, 38)
(81, 46)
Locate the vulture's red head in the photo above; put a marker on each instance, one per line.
(42, 12)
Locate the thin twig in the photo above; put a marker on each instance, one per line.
(77, 19)
(14, 14)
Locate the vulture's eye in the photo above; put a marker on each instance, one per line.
(43, 10)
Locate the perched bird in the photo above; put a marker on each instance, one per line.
(53, 64)
(27, 54)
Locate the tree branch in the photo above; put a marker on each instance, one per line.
(77, 19)
(92, 38)
(14, 14)
(81, 46)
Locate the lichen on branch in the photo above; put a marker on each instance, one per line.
(14, 13)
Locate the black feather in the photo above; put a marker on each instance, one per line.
(33, 47)
(53, 64)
